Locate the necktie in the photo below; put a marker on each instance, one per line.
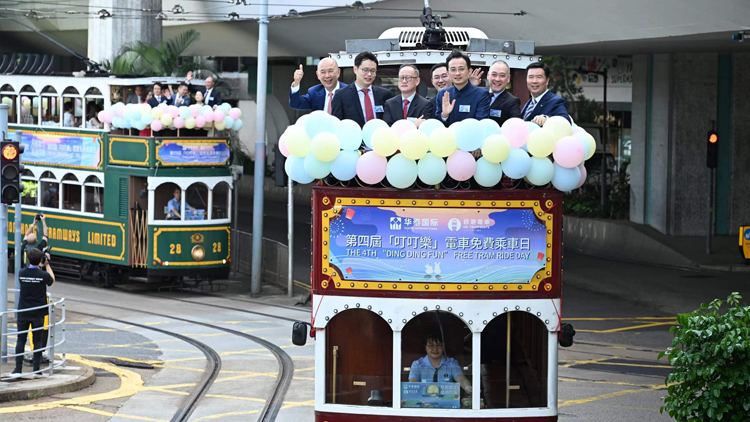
(434, 377)
(369, 115)
(529, 109)
(406, 107)
(330, 101)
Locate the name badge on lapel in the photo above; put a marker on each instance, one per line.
(495, 113)
(210, 98)
(465, 108)
(379, 109)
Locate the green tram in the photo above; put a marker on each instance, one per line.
(105, 193)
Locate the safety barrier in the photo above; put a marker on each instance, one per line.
(55, 331)
(275, 259)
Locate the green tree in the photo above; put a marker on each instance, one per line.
(563, 83)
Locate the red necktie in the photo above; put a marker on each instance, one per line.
(406, 107)
(330, 101)
(369, 115)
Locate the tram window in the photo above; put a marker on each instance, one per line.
(359, 359)
(436, 362)
(8, 96)
(50, 110)
(93, 107)
(166, 196)
(30, 188)
(94, 195)
(50, 191)
(29, 106)
(71, 112)
(528, 362)
(196, 202)
(220, 201)
(71, 193)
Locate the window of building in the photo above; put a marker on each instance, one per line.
(436, 362)
(94, 195)
(29, 106)
(50, 191)
(71, 193)
(359, 359)
(168, 200)
(196, 202)
(522, 383)
(30, 188)
(220, 202)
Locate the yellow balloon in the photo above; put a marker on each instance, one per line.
(156, 113)
(190, 123)
(325, 146)
(218, 125)
(414, 144)
(384, 141)
(297, 141)
(166, 119)
(442, 142)
(144, 108)
(7, 100)
(541, 142)
(560, 126)
(495, 148)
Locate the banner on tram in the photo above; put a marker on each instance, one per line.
(59, 149)
(452, 245)
(193, 152)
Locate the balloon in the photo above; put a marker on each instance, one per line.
(315, 168)
(582, 168)
(560, 126)
(403, 126)
(384, 141)
(101, 116)
(344, 166)
(219, 115)
(208, 116)
(295, 169)
(319, 122)
(35, 102)
(470, 136)
(173, 111)
(229, 122)
(401, 172)
(429, 125)
(226, 107)
(532, 126)
(541, 142)
(200, 121)
(78, 112)
(566, 179)
(569, 152)
(302, 120)
(371, 167)
(195, 110)
(297, 141)
(442, 142)
(23, 110)
(541, 171)
(431, 169)
(78, 102)
(166, 119)
(589, 140)
(26, 103)
(282, 146)
(413, 144)
(184, 112)
(488, 174)
(577, 129)
(235, 113)
(325, 146)
(369, 128)
(349, 134)
(7, 100)
(179, 123)
(496, 148)
(155, 113)
(517, 165)
(461, 165)
(220, 125)
(156, 125)
(490, 127)
(516, 130)
(237, 124)
(190, 123)
(206, 110)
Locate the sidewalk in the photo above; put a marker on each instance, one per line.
(71, 378)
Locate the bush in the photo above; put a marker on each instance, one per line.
(585, 202)
(710, 354)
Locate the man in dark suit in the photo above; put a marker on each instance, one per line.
(543, 104)
(503, 105)
(463, 100)
(318, 97)
(136, 97)
(158, 98)
(361, 101)
(211, 97)
(408, 105)
(181, 97)
(441, 80)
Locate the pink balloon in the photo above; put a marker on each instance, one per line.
(461, 165)
(163, 107)
(156, 125)
(577, 129)
(173, 111)
(200, 121)
(371, 168)
(583, 175)
(120, 111)
(78, 102)
(179, 122)
(195, 110)
(208, 116)
(282, 146)
(23, 111)
(102, 116)
(219, 115)
(569, 152)
(403, 126)
(24, 99)
(516, 130)
(234, 113)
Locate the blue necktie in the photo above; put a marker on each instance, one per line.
(529, 109)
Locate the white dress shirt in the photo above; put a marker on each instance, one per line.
(362, 100)
(328, 99)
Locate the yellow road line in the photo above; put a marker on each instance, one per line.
(618, 319)
(221, 415)
(634, 327)
(156, 323)
(110, 414)
(610, 395)
(291, 404)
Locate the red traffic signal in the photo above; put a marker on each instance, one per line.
(712, 151)
(10, 152)
(10, 172)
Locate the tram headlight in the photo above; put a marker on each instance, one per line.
(198, 253)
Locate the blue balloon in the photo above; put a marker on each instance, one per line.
(490, 127)
(319, 122)
(344, 166)
(229, 122)
(237, 124)
(126, 124)
(146, 119)
(469, 135)
(431, 169)
(184, 112)
(429, 125)
(566, 179)
(349, 134)
(517, 165)
(295, 169)
(206, 109)
(401, 172)
(532, 126)
(369, 128)
(541, 171)
(488, 174)
(315, 168)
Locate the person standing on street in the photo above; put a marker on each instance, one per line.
(318, 97)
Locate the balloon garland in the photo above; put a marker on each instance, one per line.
(141, 116)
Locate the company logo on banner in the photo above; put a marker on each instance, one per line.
(475, 245)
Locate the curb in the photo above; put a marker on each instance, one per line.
(34, 392)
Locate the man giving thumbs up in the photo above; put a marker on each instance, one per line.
(319, 96)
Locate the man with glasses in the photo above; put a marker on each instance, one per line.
(463, 100)
(436, 367)
(361, 101)
(318, 97)
(409, 105)
(441, 80)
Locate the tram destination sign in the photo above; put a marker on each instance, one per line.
(61, 149)
(193, 152)
(439, 245)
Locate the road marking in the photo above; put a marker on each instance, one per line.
(109, 330)
(634, 327)
(110, 414)
(618, 319)
(291, 404)
(221, 415)
(610, 395)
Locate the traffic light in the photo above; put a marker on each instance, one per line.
(712, 156)
(10, 171)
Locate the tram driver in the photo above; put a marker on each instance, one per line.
(436, 367)
(175, 205)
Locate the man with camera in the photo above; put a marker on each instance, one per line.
(33, 282)
(30, 240)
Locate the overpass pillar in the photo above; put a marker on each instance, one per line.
(107, 36)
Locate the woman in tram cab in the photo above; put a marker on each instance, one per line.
(436, 367)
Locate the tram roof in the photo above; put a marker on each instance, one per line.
(39, 82)
(431, 57)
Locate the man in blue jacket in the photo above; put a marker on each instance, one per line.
(543, 104)
(318, 97)
(463, 100)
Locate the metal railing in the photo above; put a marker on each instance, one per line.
(55, 331)
(275, 259)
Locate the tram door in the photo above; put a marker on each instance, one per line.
(138, 222)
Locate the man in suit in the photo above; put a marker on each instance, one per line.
(181, 97)
(318, 97)
(503, 105)
(158, 98)
(408, 105)
(211, 97)
(542, 104)
(136, 97)
(463, 100)
(361, 101)
(441, 80)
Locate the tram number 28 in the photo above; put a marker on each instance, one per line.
(176, 248)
